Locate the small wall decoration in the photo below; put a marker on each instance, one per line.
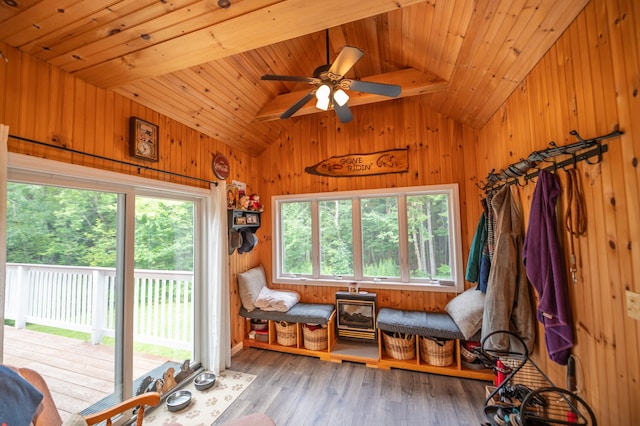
(220, 166)
(143, 139)
(376, 163)
(252, 219)
(232, 197)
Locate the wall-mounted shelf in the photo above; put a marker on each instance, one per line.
(244, 220)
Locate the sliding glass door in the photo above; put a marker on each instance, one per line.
(163, 290)
(100, 287)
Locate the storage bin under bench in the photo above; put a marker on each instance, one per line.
(299, 315)
(438, 325)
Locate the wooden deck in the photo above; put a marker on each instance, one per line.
(78, 373)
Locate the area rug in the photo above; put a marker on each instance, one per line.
(206, 406)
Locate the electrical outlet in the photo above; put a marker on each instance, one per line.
(633, 304)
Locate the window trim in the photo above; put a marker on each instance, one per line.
(405, 283)
(35, 170)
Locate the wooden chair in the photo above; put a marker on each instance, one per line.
(47, 414)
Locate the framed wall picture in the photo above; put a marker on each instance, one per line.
(232, 197)
(143, 139)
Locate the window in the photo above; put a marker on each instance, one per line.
(389, 238)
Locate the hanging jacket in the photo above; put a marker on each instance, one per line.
(544, 263)
(475, 252)
(479, 264)
(508, 302)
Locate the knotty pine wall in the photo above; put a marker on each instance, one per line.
(42, 103)
(588, 82)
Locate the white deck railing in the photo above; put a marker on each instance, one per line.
(83, 299)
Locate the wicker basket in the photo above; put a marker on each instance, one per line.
(286, 333)
(316, 339)
(399, 346)
(438, 352)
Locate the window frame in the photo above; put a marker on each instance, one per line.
(34, 170)
(405, 282)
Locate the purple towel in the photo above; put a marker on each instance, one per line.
(544, 263)
(18, 398)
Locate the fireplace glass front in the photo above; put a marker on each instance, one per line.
(356, 316)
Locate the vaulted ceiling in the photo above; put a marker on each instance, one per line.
(200, 63)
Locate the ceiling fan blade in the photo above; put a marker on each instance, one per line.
(288, 78)
(346, 59)
(375, 88)
(343, 112)
(295, 107)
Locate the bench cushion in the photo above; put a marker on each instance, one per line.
(433, 324)
(310, 313)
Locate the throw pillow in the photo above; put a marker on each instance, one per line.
(466, 310)
(249, 285)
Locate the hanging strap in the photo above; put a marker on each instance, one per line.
(576, 215)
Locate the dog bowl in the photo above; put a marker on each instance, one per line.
(178, 400)
(204, 381)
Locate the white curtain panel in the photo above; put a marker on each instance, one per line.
(4, 135)
(216, 318)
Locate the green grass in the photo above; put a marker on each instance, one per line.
(169, 353)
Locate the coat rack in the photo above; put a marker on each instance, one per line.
(521, 171)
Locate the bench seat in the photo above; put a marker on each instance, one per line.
(431, 324)
(309, 313)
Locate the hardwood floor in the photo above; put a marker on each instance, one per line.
(303, 391)
(78, 373)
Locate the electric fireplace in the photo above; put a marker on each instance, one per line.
(356, 316)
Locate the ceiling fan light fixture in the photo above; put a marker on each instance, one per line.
(341, 97)
(323, 103)
(323, 92)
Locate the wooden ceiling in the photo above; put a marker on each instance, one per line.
(200, 64)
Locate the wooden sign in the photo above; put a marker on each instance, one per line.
(377, 163)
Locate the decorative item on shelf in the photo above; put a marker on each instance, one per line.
(241, 220)
(143, 139)
(353, 288)
(232, 197)
(243, 204)
(252, 219)
(254, 203)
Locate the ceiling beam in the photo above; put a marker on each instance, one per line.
(412, 81)
(262, 27)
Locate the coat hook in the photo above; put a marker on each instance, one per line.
(2, 55)
(599, 158)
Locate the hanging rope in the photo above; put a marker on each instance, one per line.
(575, 218)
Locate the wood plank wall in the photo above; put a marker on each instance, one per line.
(44, 104)
(589, 82)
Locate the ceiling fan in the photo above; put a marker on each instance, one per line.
(330, 85)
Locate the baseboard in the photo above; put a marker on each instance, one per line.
(237, 348)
